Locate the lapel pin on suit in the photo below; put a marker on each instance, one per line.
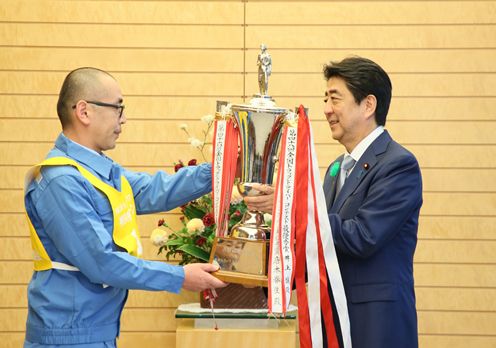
(366, 167)
(334, 169)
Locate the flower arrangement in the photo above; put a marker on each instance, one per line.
(193, 241)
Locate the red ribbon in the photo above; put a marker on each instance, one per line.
(304, 177)
(301, 200)
(230, 152)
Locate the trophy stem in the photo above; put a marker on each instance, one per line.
(251, 227)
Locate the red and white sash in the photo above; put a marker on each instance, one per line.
(300, 226)
(224, 156)
(281, 259)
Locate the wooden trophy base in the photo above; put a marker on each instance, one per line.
(236, 296)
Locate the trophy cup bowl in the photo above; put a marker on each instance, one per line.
(260, 126)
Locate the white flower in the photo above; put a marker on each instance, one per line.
(207, 119)
(159, 237)
(268, 218)
(196, 142)
(183, 126)
(195, 225)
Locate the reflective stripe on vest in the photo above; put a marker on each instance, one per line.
(125, 232)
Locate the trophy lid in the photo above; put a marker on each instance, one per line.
(261, 105)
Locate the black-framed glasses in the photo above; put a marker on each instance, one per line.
(119, 107)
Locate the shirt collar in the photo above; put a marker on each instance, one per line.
(363, 145)
(99, 163)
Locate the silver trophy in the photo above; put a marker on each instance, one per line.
(242, 254)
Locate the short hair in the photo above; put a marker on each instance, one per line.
(79, 84)
(364, 77)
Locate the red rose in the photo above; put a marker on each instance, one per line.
(237, 213)
(192, 162)
(161, 222)
(178, 166)
(200, 241)
(208, 219)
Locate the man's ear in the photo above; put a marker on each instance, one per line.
(81, 113)
(370, 105)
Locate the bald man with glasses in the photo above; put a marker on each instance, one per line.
(81, 208)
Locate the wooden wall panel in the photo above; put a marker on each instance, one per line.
(14, 296)
(464, 180)
(413, 107)
(132, 83)
(126, 340)
(377, 36)
(133, 319)
(135, 131)
(456, 251)
(138, 107)
(175, 59)
(138, 319)
(28, 153)
(447, 204)
(159, 60)
(446, 322)
(16, 272)
(136, 36)
(405, 84)
(434, 179)
(454, 341)
(429, 156)
(180, 107)
(456, 299)
(431, 226)
(12, 339)
(393, 60)
(457, 227)
(437, 251)
(450, 204)
(378, 12)
(16, 225)
(445, 275)
(19, 248)
(147, 339)
(427, 275)
(131, 12)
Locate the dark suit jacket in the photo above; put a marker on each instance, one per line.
(374, 222)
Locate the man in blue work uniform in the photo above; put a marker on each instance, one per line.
(81, 208)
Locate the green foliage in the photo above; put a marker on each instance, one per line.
(195, 246)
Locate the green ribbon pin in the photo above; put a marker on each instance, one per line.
(335, 169)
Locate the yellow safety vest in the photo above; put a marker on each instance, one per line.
(125, 232)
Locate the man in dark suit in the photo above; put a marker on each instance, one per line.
(374, 195)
